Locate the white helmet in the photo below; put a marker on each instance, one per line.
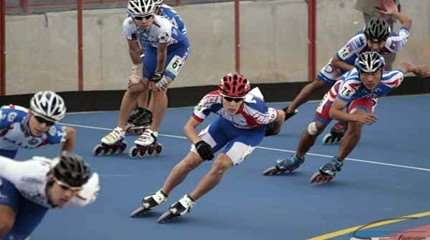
(141, 7)
(369, 62)
(48, 104)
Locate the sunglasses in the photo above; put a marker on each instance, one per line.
(140, 18)
(43, 120)
(230, 99)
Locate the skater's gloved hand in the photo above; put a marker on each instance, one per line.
(162, 84)
(156, 77)
(204, 150)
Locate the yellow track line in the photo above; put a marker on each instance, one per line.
(374, 225)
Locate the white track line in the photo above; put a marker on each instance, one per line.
(277, 150)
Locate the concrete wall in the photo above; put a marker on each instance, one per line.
(41, 49)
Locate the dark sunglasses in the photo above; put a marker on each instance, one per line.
(140, 18)
(230, 99)
(45, 121)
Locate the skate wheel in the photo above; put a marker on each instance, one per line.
(118, 150)
(327, 139)
(121, 148)
(133, 152)
(110, 150)
(97, 149)
(150, 150)
(158, 149)
(141, 152)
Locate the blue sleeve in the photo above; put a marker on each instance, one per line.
(56, 134)
(258, 105)
(9, 115)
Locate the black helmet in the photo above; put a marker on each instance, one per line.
(377, 30)
(369, 62)
(71, 170)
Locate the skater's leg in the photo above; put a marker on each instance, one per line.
(158, 106)
(128, 103)
(305, 94)
(306, 142)
(180, 171)
(221, 164)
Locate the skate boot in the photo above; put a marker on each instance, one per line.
(336, 133)
(148, 203)
(327, 172)
(139, 120)
(284, 166)
(146, 144)
(177, 209)
(111, 143)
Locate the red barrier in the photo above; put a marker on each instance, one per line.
(237, 35)
(80, 46)
(2, 48)
(312, 15)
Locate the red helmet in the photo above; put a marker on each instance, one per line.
(234, 85)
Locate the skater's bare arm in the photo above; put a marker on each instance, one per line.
(359, 116)
(393, 11)
(338, 63)
(336, 111)
(190, 130)
(161, 57)
(135, 51)
(70, 140)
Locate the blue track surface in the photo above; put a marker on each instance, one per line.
(247, 205)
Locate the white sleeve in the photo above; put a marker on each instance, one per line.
(269, 117)
(165, 34)
(10, 169)
(353, 46)
(129, 29)
(396, 42)
(88, 193)
(14, 171)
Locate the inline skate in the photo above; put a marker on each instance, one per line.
(112, 143)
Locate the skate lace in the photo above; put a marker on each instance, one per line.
(154, 200)
(293, 162)
(148, 135)
(159, 197)
(331, 168)
(116, 134)
(183, 206)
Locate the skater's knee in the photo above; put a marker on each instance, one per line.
(221, 165)
(191, 162)
(135, 90)
(7, 220)
(316, 84)
(315, 128)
